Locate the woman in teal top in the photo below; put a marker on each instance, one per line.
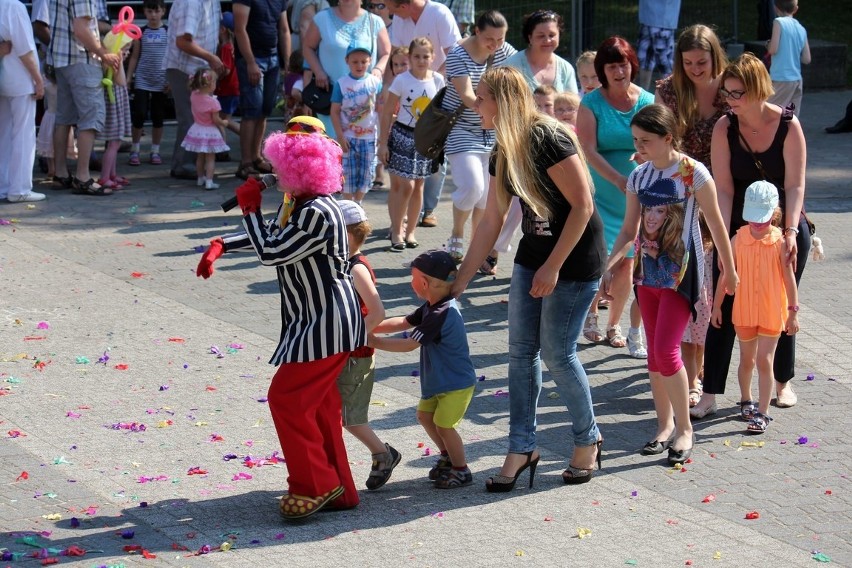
(538, 63)
(603, 127)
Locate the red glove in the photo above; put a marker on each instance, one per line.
(214, 251)
(248, 195)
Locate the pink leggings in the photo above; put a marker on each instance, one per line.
(671, 310)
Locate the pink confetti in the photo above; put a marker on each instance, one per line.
(138, 274)
(43, 325)
(240, 476)
(427, 452)
(122, 367)
(70, 414)
(709, 499)
(236, 346)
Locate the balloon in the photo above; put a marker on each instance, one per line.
(122, 33)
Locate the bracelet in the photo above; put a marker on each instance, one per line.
(794, 229)
(793, 308)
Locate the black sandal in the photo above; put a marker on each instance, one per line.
(262, 166)
(89, 187)
(489, 267)
(57, 182)
(411, 244)
(245, 171)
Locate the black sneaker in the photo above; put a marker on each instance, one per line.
(455, 478)
(380, 475)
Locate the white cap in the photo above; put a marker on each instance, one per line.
(352, 212)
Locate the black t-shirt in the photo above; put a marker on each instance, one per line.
(586, 262)
(262, 26)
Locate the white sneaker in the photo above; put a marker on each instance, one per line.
(209, 184)
(31, 196)
(201, 181)
(636, 344)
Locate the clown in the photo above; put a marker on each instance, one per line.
(321, 317)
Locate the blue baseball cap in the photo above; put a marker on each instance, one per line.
(228, 20)
(358, 47)
(761, 199)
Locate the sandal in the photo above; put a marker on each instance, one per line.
(747, 410)
(614, 336)
(591, 331)
(694, 397)
(758, 423)
(489, 267)
(455, 478)
(456, 249)
(377, 184)
(576, 475)
(396, 247)
(411, 244)
(441, 468)
(636, 344)
(380, 475)
(262, 166)
(300, 506)
(246, 171)
(89, 187)
(57, 182)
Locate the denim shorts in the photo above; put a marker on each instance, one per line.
(229, 103)
(257, 101)
(80, 96)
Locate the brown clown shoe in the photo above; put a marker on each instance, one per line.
(295, 507)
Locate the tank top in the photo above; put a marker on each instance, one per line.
(150, 75)
(744, 171)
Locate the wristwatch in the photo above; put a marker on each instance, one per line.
(794, 229)
(793, 308)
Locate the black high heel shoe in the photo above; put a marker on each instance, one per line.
(504, 483)
(575, 475)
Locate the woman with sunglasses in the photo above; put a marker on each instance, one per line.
(330, 35)
(756, 140)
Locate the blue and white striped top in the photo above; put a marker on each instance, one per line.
(150, 75)
(467, 135)
(320, 313)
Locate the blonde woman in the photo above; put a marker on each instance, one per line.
(559, 262)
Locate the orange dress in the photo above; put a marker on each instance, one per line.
(761, 299)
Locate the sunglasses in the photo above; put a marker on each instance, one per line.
(736, 95)
(379, 6)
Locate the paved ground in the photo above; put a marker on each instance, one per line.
(89, 278)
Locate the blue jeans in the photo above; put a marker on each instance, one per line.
(433, 187)
(546, 329)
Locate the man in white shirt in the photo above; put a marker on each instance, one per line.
(419, 18)
(20, 86)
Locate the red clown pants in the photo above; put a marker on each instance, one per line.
(306, 410)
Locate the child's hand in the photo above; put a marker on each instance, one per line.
(382, 153)
(716, 317)
(731, 282)
(344, 144)
(792, 326)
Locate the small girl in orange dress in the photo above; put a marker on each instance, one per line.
(767, 301)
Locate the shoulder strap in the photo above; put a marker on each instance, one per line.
(754, 157)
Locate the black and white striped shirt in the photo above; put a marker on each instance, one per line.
(467, 135)
(320, 314)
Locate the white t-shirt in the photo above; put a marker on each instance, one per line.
(436, 22)
(15, 80)
(414, 95)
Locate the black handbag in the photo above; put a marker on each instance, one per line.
(434, 125)
(316, 99)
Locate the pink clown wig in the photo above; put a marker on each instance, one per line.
(306, 164)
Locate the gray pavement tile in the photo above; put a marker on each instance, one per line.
(71, 262)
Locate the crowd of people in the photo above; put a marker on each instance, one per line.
(622, 196)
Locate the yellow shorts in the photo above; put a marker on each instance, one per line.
(448, 408)
(750, 333)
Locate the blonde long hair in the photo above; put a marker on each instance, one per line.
(520, 128)
(705, 39)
